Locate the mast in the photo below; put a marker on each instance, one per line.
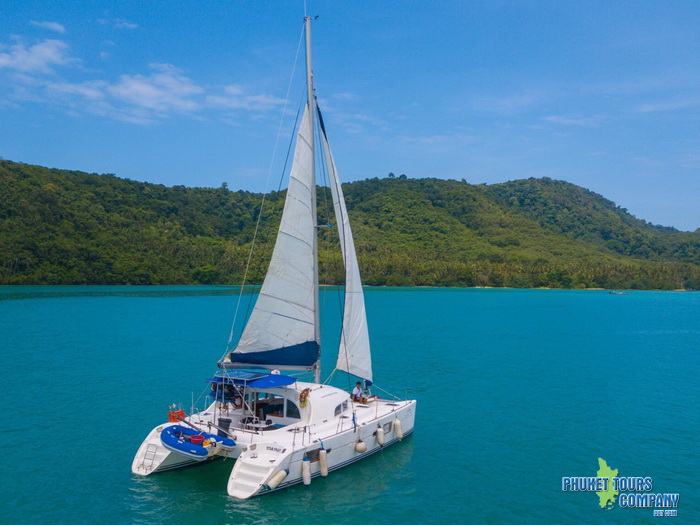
(310, 95)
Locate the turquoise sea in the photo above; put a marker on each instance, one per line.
(516, 389)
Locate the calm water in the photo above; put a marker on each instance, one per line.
(515, 389)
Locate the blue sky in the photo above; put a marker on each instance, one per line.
(603, 94)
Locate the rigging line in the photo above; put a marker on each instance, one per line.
(386, 392)
(328, 379)
(203, 393)
(262, 203)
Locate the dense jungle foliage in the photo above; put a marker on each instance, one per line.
(68, 227)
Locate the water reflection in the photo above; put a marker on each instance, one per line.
(198, 494)
(366, 487)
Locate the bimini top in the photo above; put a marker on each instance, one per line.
(252, 379)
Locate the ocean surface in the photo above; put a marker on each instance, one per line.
(516, 389)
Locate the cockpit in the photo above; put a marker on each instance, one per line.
(253, 401)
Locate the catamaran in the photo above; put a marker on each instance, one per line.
(282, 430)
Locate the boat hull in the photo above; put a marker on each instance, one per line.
(271, 456)
(260, 463)
(154, 455)
(315, 473)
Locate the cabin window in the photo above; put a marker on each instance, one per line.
(338, 410)
(387, 427)
(345, 406)
(293, 410)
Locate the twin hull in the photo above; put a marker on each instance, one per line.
(263, 454)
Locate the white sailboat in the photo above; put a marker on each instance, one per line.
(281, 430)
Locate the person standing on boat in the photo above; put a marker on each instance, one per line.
(357, 392)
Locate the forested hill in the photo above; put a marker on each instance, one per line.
(68, 227)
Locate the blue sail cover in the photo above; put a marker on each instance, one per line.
(304, 354)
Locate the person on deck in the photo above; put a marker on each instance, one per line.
(357, 392)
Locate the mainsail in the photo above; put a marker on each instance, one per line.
(354, 356)
(281, 331)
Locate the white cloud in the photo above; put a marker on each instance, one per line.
(567, 121)
(670, 92)
(346, 96)
(508, 105)
(642, 84)
(437, 139)
(667, 106)
(649, 163)
(93, 90)
(51, 26)
(356, 122)
(689, 160)
(165, 90)
(234, 97)
(117, 23)
(121, 23)
(33, 77)
(140, 99)
(37, 58)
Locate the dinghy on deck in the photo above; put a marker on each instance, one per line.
(194, 444)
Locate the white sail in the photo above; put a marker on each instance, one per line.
(281, 329)
(354, 356)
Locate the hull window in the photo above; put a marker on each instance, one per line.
(292, 410)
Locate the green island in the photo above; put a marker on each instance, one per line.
(70, 227)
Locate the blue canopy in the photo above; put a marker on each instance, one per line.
(253, 379)
(272, 380)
